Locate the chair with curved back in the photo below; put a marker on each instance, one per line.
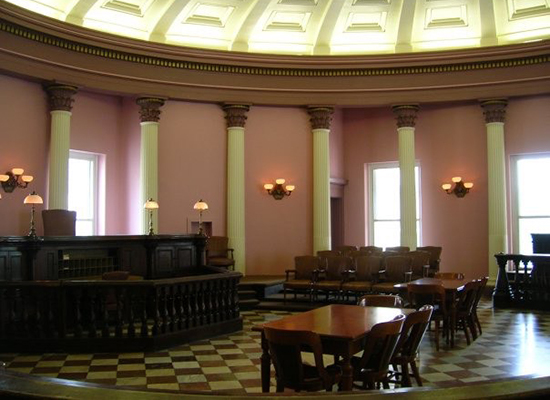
(449, 275)
(285, 348)
(371, 249)
(435, 258)
(381, 300)
(328, 253)
(398, 249)
(479, 295)
(360, 279)
(301, 277)
(218, 252)
(379, 348)
(406, 351)
(420, 295)
(345, 250)
(464, 308)
(59, 222)
(331, 278)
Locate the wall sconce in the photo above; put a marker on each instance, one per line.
(151, 205)
(200, 206)
(460, 189)
(277, 190)
(32, 199)
(15, 179)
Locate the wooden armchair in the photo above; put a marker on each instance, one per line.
(435, 258)
(420, 263)
(361, 279)
(285, 348)
(301, 277)
(380, 300)
(59, 222)
(398, 249)
(330, 278)
(397, 269)
(434, 295)
(345, 250)
(218, 253)
(371, 249)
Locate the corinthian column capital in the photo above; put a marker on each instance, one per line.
(60, 97)
(150, 108)
(235, 114)
(320, 116)
(406, 115)
(494, 110)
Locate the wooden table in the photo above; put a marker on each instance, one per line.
(452, 287)
(341, 327)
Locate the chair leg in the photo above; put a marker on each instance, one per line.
(465, 329)
(472, 326)
(284, 295)
(406, 380)
(416, 373)
(478, 324)
(437, 335)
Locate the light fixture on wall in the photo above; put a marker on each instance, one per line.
(151, 205)
(277, 190)
(200, 206)
(460, 188)
(32, 199)
(15, 179)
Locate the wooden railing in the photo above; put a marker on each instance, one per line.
(522, 281)
(100, 315)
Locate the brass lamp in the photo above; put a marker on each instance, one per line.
(278, 191)
(151, 205)
(32, 199)
(200, 206)
(460, 188)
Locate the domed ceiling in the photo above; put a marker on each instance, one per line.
(310, 27)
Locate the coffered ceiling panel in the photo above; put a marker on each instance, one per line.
(310, 27)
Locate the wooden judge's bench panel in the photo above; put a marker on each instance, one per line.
(52, 258)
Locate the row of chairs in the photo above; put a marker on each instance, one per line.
(393, 343)
(354, 274)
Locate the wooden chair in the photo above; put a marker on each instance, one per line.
(397, 269)
(406, 351)
(420, 263)
(111, 299)
(360, 279)
(380, 345)
(330, 278)
(301, 277)
(328, 253)
(371, 249)
(345, 250)
(398, 249)
(380, 300)
(479, 295)
(218, 253)
(434, 295)
(449, 275)
(464, 308)
(59, 222)
(435, 258)
(285, 348)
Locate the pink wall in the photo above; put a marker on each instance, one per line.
(24, 142)
(450, 141)
(336, 145)
(278, 144)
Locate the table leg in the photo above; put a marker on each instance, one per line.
(453, 320)
(265, 360)
(347, 374)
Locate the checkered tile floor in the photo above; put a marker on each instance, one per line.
(513, 343)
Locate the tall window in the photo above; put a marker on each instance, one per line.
(84, 191)
(531, 194)
(385, 209)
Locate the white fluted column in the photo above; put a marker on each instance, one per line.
(406, 121)
(495, 113)
(321, 117)
(235, 116)
(60, 98)
(148, 166)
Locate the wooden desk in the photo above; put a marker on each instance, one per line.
(452, 287)
(341, 327)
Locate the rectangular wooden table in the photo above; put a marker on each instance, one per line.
(452, 288)
(341, 327)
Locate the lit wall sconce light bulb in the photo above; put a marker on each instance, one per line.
(15, 179)
(278, 191)
(460, 188)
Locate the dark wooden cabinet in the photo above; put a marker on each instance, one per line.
(50, 258)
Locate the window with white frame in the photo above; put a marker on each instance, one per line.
(84, 191)
(530, 204)
(384, 204)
